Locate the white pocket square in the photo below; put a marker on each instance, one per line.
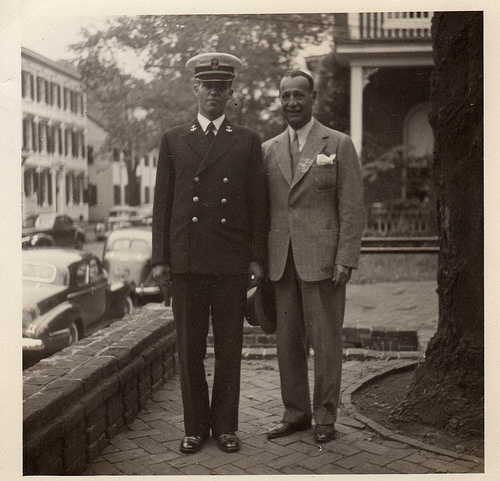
(323, 159)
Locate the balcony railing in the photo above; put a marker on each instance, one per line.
(390, 25)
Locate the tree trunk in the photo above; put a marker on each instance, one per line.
(448, 388)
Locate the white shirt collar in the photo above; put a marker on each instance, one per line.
(302, 133)
(203, 121)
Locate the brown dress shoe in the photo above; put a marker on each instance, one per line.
(192, 444)
(284, 428)
(228, 442)
(324, 433)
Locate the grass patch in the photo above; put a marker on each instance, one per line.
(395, 267)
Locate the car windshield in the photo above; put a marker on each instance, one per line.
(46, 273)
(129, 245)
(45, 220)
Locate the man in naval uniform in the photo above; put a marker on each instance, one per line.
(209, 244)
(316, 221)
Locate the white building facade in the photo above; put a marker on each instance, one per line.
(108, 175)
(54, 148)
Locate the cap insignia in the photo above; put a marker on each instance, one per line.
(214, 64)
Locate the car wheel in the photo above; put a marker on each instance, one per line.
(73, 334)
(129, 306)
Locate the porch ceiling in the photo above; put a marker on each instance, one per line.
(384, 55)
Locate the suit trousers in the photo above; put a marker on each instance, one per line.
(311, 311)
(194, 298)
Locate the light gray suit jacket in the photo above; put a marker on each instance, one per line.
(320, 209)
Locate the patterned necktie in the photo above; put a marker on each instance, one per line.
(295, 151)
(210, 132)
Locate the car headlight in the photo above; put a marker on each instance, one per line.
(29, 323)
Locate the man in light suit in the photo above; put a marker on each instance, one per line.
(209, 244)
(316, 214)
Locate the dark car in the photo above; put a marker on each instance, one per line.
(51, 229)
(66, 296)
(127, 257)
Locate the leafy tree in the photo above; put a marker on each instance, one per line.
(266, 44)
(333, 94)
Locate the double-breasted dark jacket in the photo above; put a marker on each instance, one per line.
(210, 204)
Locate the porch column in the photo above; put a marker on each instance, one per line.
(357, 107)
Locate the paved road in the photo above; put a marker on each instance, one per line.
(150, 445)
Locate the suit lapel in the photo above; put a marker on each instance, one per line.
(196, 139)
(222, 142)
(316, 142)
(283, 156)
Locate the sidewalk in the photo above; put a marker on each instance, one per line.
(150, 445)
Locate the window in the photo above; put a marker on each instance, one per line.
(50, 139)
(24, 84)
(94, 270)
(41, 188)
(67, 141)
(76, 189)
(116, 155)
(154, 160)
(49, 187)
(74, 144)
(28, 179)
(117, 195)
(42, 136)
(92, 194)
(69, 182)
(146, 195)
(48, 96)
(82, 274)
(34, 136)
(39, 89)
(82, 144)
(90, 154)
(146, 160)
(66, 98)
(82, 109)
(26, 134)
(60, 139)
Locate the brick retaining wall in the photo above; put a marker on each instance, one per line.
(75, 401)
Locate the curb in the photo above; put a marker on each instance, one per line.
(348, 354)
(382, 430)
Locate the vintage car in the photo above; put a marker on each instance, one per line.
(52, 229)
(121, 216)
(66, 296)
(127, 257)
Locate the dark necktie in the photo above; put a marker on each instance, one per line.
(295, 151)
(210, 132)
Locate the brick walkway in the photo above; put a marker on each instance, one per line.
(150, 445)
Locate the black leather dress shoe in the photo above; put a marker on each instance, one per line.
(228, 442)
(192, 444)
(284, 428)
(324, 433)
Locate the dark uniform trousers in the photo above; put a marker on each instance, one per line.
(195, 296)
(209, 223)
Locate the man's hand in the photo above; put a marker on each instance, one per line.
(162, 275)
(341, 275)
(255, 273)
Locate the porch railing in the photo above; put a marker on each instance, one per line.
(390, 25)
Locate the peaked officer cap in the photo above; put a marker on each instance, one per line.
(214, 67)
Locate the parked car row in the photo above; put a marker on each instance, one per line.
(122, 216)
(52, 229)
